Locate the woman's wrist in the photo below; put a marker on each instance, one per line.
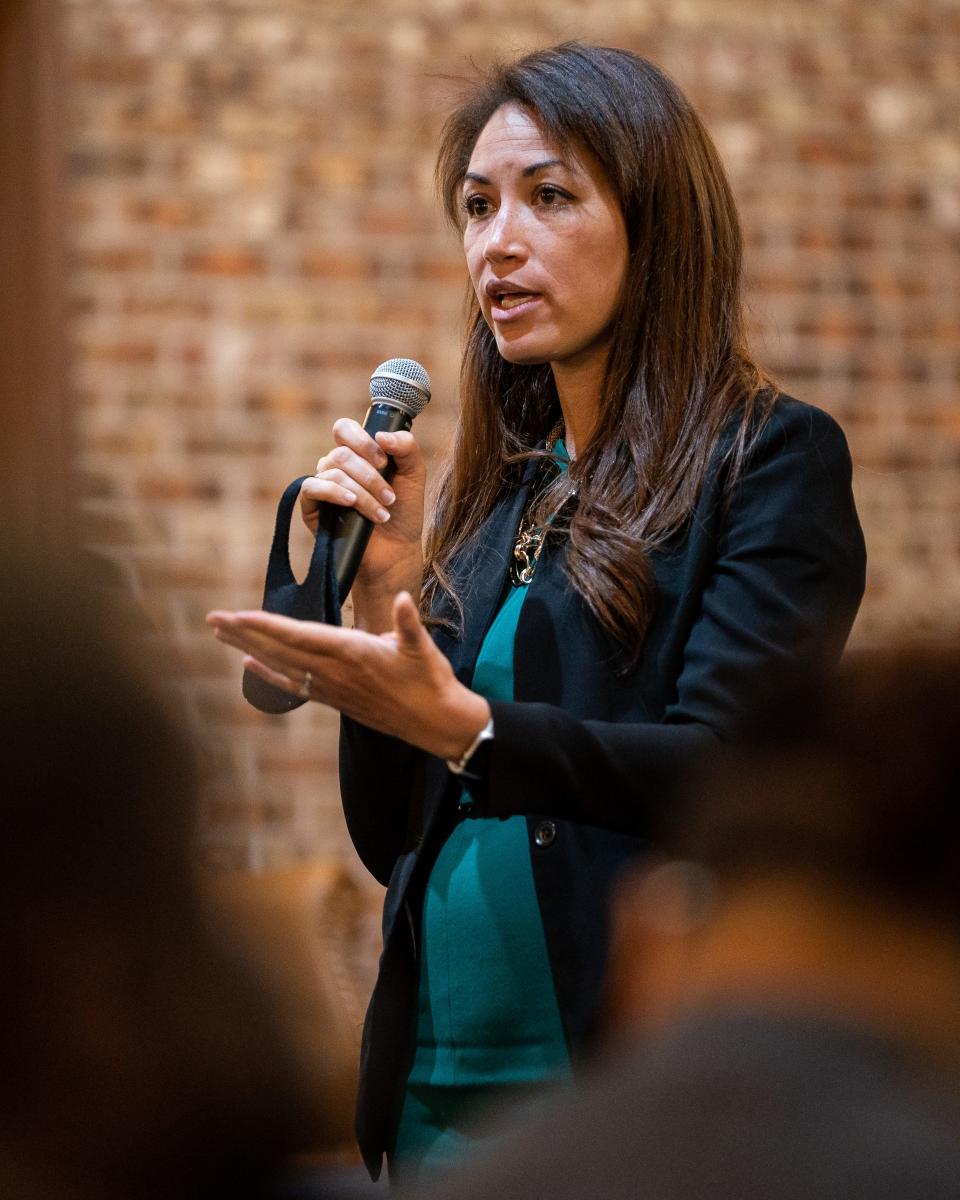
(372, 614)
(465, 715)
(373, 605)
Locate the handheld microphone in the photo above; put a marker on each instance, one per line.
(399, 391)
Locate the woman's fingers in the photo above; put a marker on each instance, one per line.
(314, 637)
(403, 449)
(277, 657)
(336, 487)
(345, 465)
(284, 682)
(352, 435)
(332, 490)
(349, 476)
(247, 631)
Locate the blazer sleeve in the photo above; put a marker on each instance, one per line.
(377, 775)
(781, 592)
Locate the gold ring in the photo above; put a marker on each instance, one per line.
(305, 686)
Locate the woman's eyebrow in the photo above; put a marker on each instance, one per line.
(474, 177)
(542, 166)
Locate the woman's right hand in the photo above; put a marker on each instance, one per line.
(349, 475)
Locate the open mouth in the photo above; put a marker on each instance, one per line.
(508, 300)
(512, 306)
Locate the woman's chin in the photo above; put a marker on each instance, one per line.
(521, 354)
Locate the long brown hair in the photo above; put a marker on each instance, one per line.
(678, 367)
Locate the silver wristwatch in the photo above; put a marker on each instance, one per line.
(459, 765)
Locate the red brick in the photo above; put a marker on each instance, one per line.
(333, 264)
(844, 150)
(336, 360)
(178, 487)
(111, 69)
(171, 212)
(225, 261)
(283, 400)
(161, 571)
(140, 304)
(131, 441)
(120, 353)
(238, 442)
(115, 258)
(108, 162)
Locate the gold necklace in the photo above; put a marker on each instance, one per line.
(532, 538)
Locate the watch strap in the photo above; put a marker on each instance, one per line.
(459, 766)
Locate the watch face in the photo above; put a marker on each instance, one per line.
(469, 762)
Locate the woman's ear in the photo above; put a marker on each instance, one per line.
(658, 909)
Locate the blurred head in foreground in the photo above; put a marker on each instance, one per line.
(137, 1057)
(818, 866)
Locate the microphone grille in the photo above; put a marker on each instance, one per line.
(402, 382)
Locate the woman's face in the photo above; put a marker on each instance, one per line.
(545, 241)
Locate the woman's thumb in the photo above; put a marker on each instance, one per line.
(406, 622)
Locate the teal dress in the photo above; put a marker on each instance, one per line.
(489, 1030)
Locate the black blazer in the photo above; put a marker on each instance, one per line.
(760, 584)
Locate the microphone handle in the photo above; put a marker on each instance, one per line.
(349, 531)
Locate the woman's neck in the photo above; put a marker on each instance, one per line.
(578, 390)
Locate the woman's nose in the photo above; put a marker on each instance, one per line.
(505, 236)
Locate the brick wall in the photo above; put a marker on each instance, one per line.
(253, 229)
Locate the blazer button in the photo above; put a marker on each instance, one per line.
(545, 833)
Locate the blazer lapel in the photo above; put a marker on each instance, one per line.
(480, 577)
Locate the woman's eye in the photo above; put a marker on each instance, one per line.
(550, 195)
(476, 206)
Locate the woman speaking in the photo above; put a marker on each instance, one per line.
(634, 536)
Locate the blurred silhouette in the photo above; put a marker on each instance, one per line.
(314, 933)
(139, 1054)
(791, 973)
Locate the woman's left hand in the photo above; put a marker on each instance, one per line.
(397, 682)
